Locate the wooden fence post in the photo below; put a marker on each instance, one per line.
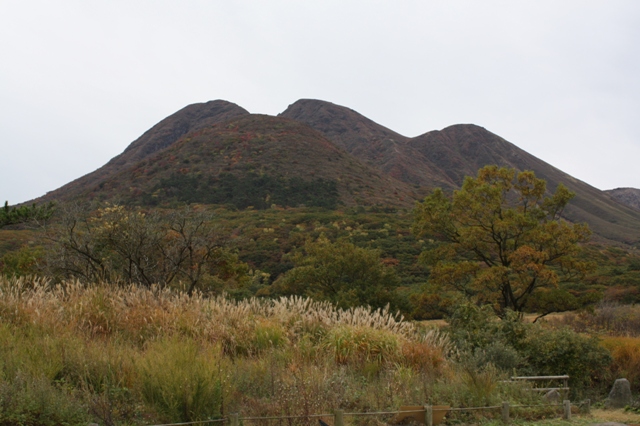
(428, 415)
(586, 406)
(505, 412)
(234, 419)
(567, 409)
(338, 418)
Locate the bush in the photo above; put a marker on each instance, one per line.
(513, 345)
(609, 318)
(556, 352)
(350, 344)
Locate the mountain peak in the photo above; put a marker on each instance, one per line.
(168, 131)
(192, 117)
(314, 144)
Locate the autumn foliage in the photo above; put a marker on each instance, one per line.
(502, 238)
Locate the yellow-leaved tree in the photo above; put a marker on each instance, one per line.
(502, 238)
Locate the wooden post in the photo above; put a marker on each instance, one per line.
(428, 415)
(234, 419)
(338, 418)
(567, 409)
(586, 406)
(505, 412)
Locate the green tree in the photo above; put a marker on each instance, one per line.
(15, 215)
(340, 272)
(502, 238)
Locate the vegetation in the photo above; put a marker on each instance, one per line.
(250, 190)
(125, 315)
(137, 355)
(118, 244)
(134, 355)
(341, 273)
(512, 345)
(268, 242)
(16, 215)
(619, 328)
(503, 240)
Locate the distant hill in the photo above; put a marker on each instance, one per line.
(317, 153)
(443, 158)
(626, 196)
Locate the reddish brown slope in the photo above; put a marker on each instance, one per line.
(443, 158)
(253, 145)
(368, 141)
(166, 132)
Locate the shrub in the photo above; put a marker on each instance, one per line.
(422, 356)
(609, 318)
(556, 352)
(513, 345)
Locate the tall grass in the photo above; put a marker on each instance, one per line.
(130, 355)
(608, 318)
(118, 354)
(625, 352)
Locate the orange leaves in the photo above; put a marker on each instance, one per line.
(501, 235)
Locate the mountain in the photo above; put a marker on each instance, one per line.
(463, 149)
(443, 158)
(253, 160)
(626, 196)
(166, 132)
(369, 141)
(316, 153)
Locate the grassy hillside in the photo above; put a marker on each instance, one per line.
(217, 152)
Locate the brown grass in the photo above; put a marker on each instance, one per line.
(626, 358)
(136, 355)
(607, 319)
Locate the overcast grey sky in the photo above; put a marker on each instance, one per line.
(80, 80)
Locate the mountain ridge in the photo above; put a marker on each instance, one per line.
(626, 196)
(161, 135)
(367, 163)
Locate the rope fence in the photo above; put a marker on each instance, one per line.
(429, 415)
(309, 416)
(427, 410)
(197, 422)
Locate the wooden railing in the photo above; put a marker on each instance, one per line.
(564, 378)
